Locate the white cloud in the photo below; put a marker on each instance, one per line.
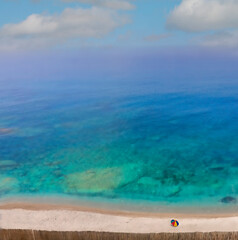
(203, 15)
(39, 30)
(113, 4)
(221, 39)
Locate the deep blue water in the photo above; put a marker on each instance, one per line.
(143, 140)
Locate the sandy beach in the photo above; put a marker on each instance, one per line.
(59, 218)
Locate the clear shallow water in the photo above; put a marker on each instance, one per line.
(122, 141)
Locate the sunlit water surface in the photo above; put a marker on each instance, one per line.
(120, 142)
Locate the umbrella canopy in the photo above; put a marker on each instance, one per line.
(174, 223)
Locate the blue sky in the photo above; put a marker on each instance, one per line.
(72, 24)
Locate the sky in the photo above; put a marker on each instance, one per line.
(29, 25)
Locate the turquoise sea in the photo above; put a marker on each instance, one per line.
(145, 141)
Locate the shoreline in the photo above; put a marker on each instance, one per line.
(118, 208)
(65, 218)
(30, 206)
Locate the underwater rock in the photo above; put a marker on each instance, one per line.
(5, 131)
(7, 164)
(58, 173)
(217, 168)
(174, 192)
(21, 132)
(228, 200)
(99, 179)
(8, 184)
(52, 164)
(149, 181)
(94, 180)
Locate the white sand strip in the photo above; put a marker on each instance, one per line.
(65, 220)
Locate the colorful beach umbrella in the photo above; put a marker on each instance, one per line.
(174, 223)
